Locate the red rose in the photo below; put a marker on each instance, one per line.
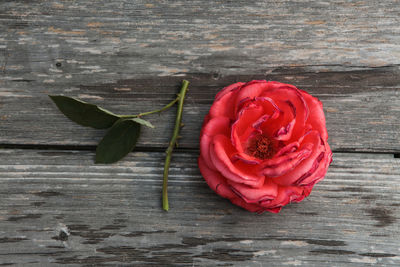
(264, 145)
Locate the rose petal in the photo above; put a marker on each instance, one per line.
(268, 191)
(223, 106)
(249, 119)
(293, 98)
(317, 117)
(245, 158)
(273, 210)
(314, 138)
(270, 109)
(221, 151)
(250, 90)
(228, 89)
(218, 184)
(307, 190)
(248, 206)
(215, 180)
(277, 85)
(214, 126)
(218, 125)
(281, 127)
(281, 158)
(242, 128)
(288, 149)
(269, 106)
(321, 167)
(311, 171)
(285, 132)
(284, 196)
(281, 165)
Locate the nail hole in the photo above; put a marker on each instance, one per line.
(58, 64)
(63, 236)
(216, 75)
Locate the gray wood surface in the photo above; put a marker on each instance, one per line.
(362, 108)
(122, 55)
(59, 208)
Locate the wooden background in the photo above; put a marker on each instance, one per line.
(58, 208)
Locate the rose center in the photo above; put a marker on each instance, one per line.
(260, 147)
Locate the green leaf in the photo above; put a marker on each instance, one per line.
(118, 142)
(143, 122)
(84, 113)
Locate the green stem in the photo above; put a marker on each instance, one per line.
(173, 142)
(153, 111)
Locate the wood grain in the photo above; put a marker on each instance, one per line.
(58, 208)
(361, 107)
(122, 54)
(115, 40)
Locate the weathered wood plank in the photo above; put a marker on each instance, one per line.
(361, 106)
(110, 40)
(58, 208)
(116, 53)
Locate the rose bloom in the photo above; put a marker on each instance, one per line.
(264, 145)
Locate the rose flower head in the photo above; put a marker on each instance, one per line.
(264, 145)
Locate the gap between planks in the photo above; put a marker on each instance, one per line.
(157, 149)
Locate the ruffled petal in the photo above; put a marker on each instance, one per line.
(242, 128)
(290, 178)
(215, 180)
(281, 165)
(223, 106)
(294, 98)
(247, 159)
(318, 170)
(250, 117)
(214, 126)
(317, 116)
(271, 111)
(249, 91)
(268, 191)
(281, 127)
(285, 132)
(289, 148)
(221, 152)
(228, 89)
(248, 206)
(285, 195)
(218, 125)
